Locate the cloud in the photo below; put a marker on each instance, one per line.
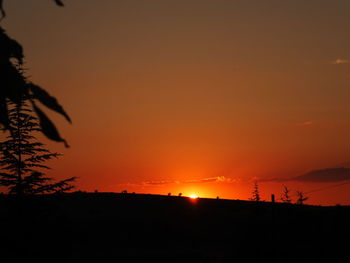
(204, 180)
(325, 175)
(157, 182)
(340, 61)
(344, 164)
(221, 179)
(328, 175)
(211, 179)
(305, 123)
(161, 182)
(275, 179)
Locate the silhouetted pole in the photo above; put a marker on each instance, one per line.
(273, 225)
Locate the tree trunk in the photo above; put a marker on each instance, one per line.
(19, 152)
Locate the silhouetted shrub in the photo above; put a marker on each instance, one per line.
(285, 198)
(301, 198)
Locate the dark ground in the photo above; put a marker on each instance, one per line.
(107, 227)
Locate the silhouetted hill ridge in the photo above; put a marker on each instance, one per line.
(155, 228)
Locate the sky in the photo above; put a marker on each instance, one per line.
(195, 96)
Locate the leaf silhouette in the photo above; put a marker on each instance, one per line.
(47, 127)
(59, 2)
(45, 98)
(4, 119)
(14, 85)
(3, 14)
(10, 48)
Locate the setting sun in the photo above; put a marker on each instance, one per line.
(194, 196)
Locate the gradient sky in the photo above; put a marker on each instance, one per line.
(195, 96)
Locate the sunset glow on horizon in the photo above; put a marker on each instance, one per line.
(196, 97)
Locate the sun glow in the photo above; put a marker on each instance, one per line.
(193, 196)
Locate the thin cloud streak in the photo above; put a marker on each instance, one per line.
(212, 179)
(328, 175)
(305, 123)
(220, 179)
(340, 61)
(325, 175)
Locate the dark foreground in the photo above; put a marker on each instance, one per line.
(145, 228)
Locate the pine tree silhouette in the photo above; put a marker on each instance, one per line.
(255, 193)
(23, 156)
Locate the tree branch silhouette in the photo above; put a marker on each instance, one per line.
(14, 86)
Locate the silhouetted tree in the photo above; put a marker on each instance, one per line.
(14, 86)
(180, 194)
(301, 198)
(22, 155)
(286, 195)
(255, 193)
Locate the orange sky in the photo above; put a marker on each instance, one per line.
(194, 96)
